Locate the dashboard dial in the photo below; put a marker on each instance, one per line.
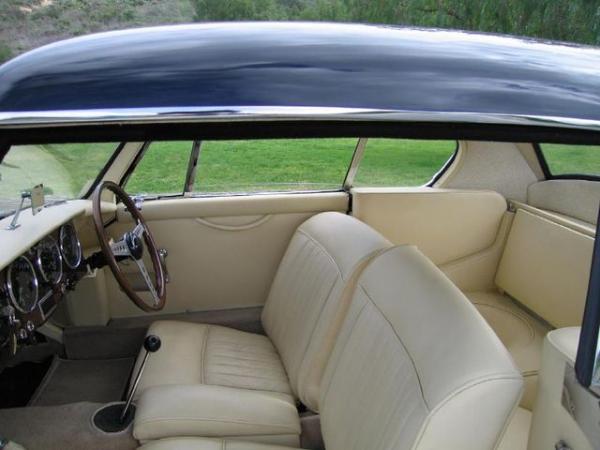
(49, 261)
(22, 284)
(70, 246)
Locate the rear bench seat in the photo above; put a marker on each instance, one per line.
(541, 284)
(414, 366)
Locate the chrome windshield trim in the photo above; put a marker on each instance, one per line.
(42, 119)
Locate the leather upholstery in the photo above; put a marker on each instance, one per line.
(311, 292)
(415, 365)
(303, 314)
(194, 353)
(216, 411)
(208, 444)
(390, 385)
(520, 332)
(546, 266)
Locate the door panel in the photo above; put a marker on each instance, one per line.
(223, 251)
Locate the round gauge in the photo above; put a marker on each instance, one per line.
(49, 261)
(70, 246)
(22, 284)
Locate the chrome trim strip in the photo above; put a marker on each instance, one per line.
(217, 114)
(190, 176)
(71, 264)
(359, 151)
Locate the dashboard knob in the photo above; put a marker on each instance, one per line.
(22, 334)
(30, 326)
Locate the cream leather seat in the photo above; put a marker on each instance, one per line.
(414, 367)
(302, 316)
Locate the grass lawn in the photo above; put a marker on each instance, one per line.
(572, 159)
(288, 164)
(252, 166)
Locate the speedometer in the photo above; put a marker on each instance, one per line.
(70, 246)
(49, 261)
(22, 285)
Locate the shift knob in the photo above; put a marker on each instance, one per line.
(152, 343)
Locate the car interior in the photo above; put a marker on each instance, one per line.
(359, 314)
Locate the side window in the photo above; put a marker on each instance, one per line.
(273, 165)
(572, 159)
(402, 162)
(162, 169)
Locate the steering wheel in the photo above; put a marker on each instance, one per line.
(130, 247)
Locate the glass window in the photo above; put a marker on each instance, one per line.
(66, 170)
(572, 159)
(402, 162)
(162, 169)
(273, 165)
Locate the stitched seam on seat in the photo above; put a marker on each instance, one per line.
(203, 356)
(322, 248)
(140, 422)
(341, 352)
(455, 393)
(401, 343)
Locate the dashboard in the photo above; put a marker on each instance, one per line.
(35, 282)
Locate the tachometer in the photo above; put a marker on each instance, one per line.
(70, 246)
(22, 284)
(49, 261)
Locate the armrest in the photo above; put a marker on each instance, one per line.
(214, 411)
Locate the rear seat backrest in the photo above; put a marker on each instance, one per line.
(310, 294)
(546, 267)
(415, 365)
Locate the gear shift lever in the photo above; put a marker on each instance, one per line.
(151, 345)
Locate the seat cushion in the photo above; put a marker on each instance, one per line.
(517, 433)
(193, 353)
(520, 332)
(191, 443)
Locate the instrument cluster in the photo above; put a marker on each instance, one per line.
(32, 286)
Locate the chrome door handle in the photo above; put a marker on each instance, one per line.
(162, 256)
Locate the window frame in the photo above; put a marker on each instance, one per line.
(194, 163)
(548, 175)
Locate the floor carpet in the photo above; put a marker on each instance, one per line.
(63, 427)
(71, 381)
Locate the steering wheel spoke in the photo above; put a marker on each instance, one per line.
(132, 246)
(148, 280)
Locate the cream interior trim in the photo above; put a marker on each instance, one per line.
(241, 205)
(253, 223)
(575, 198)
(546, 267)
(477, 272)
(446, 224)
(528, 151)
(498, 166)
(33, 228)
(560, 219)
(214, 411)
(551, 422)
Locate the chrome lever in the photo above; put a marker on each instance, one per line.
(162, 256)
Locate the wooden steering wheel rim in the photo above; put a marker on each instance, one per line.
(103, 239)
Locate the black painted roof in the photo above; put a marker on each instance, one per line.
(232, 67)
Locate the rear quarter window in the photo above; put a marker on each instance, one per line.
(402, 162)
(569, 159)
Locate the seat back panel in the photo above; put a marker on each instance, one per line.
(412, 364)
(308, 295)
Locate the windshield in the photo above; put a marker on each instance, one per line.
(66, 171)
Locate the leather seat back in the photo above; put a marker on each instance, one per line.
(311, 292)
(415, 366)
